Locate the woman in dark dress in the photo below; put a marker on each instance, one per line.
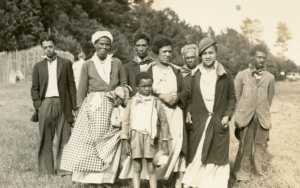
(212, 103)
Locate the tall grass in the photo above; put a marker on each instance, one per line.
(19, 142)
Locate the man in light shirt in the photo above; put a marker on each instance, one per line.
(53, 93)
(77, 67)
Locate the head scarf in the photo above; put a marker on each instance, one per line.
(189, 48)
(100, 34)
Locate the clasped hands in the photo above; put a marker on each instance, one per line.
(170, 99)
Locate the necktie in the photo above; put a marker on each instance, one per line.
(258, 71)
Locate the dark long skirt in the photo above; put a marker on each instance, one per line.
(253, 157)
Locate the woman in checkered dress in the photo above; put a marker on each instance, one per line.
(93, 151)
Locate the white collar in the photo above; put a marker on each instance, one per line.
(54, 62)
(203, 70)
(96, 59)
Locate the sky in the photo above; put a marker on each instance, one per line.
(220, 14)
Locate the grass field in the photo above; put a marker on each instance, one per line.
(19, 142)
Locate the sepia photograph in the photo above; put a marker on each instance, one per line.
(149, 94)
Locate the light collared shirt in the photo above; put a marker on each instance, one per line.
(142, 119)
(208, 83)
(77, 69)
(52, 89)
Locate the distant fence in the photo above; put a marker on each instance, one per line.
(24, 60)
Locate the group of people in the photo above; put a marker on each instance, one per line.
(165, 118)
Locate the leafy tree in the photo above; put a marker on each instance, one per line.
(283, 35)
(252, 29)
(23, 22)
(211, 32)
(20, 25)
(233, 50)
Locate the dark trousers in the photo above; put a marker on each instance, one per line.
(252, 157)
(51, 120)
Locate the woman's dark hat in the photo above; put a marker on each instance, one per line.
(205, 43)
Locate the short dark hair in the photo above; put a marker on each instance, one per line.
(48, 38)
(139, 34)
(158, 44)
(142, 75)
(259, 48)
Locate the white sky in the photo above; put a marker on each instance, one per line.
(223, 13)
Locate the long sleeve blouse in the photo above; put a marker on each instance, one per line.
(90, 80)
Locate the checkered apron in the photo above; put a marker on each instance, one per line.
(94, 141)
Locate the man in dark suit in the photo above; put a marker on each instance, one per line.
(141, 61)
(53, 93)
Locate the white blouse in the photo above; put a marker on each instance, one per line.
(208, 81)
(164, 80)
(103, 67)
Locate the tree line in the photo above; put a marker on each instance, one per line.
(23, 22)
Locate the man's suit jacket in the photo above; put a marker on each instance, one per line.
(65, 83)
(131, 70)
(254, 97)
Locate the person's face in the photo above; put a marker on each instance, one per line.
(49, 48)
(165, 54)
(259, 59)
(209, 57)
(102, 46)
(145, 87)
(190, 59)
(141, 48)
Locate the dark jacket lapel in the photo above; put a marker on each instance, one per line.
(59, 67)
(135, 68)
(45, 71)
(220, 84)
(197, 81)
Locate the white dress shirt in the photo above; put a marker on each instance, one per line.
(141, 121)
(52, 89)
(77, 69)
(208, 83)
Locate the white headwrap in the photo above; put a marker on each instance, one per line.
(100, 34)
(189, 48)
